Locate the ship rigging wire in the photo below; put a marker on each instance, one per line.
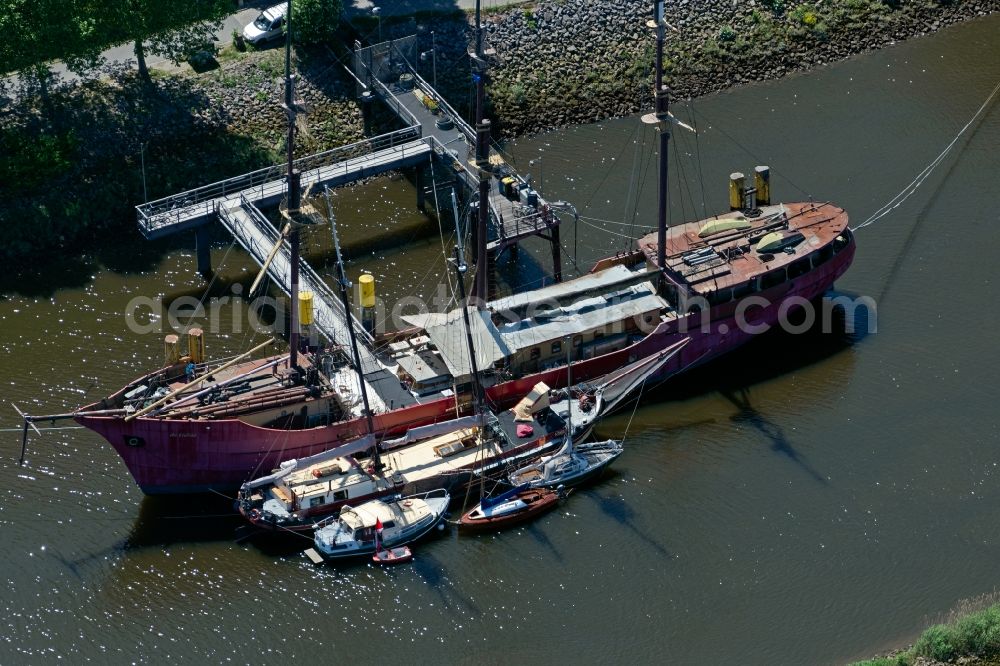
(689, 105)
(915, 184)
(750, 152)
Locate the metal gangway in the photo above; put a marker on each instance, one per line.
(255, 234)
(420, 105)
(267, 187)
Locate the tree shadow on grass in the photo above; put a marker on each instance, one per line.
(74, 168)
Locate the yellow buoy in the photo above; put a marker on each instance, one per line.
(762, 183)
(737, 191)
(305, 308)
(367, 282)
(171, 349)
(196, 345)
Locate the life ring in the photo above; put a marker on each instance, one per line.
(407, 502)
(254, 515)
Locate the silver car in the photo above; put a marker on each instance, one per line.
(267, 26)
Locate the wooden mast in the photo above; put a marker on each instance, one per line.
(663, 123)
(344, 285)
(661, 119)
(482, 166)
(478, 394)
(292, 203)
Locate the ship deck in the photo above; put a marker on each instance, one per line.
(717, 261)
(424, 460)
(251, 386)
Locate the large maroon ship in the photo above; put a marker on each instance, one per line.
(716, 282)
(614, 316)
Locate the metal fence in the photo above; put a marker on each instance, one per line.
(442, 103)
(404, 114)
(385, 61)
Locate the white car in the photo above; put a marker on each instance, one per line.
(267, 26)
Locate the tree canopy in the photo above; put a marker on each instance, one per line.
(76, 31)
(315, 21)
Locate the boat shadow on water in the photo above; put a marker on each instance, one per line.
(733, 376)
(165, 520)
(537, 530)
(622, 513)
(431, 569)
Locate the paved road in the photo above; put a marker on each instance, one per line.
(237, 21)
(126, 54)
(404, 7)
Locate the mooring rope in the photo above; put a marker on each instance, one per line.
(914, 184)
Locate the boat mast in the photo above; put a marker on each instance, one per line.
(482, 164)
(293, 183)
(569, 389)
(663, 125)
(344, 287)
(478, 395)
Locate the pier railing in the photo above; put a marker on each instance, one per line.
(200, 201)
(519, 226)
(324, 294)
(404, 114)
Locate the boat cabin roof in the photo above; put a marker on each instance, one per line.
(612, 295)
(327, 476)
(588, 314)
(367, 514)
(447, 333)
(424, 366)
(570, 290)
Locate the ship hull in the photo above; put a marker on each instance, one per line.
(188, 456)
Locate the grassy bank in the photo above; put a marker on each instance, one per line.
(971, 635)
(566, 61)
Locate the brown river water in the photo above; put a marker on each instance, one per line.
(808, 500)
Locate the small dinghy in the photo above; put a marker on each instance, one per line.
(380, 527)
(513, 507)
(390, 556)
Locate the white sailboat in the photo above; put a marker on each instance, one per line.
(584, 405)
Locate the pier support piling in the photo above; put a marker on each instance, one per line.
(203, 249)
(366, 111)
(421, 193)
(556, 255)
